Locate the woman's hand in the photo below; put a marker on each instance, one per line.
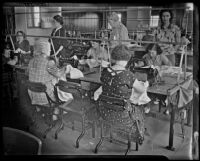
(18, 50)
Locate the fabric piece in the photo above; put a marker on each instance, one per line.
(64, 96)
(92, 63)
(75, 73)
(97, 93)
(186, 93)
(139, 93)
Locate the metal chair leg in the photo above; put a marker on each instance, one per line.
(73, 126)
(48, 130)
(82, 132)
(111, 135)
(93, 129)
(61, 127)
(33, 117)
(129, 144)
(136, 146)
(100, 141)
(52, 124)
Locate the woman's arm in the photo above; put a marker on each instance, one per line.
(165, 60)
(54, 70)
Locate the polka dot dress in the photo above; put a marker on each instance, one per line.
(118, 83)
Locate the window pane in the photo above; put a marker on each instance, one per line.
(154, 21)
(36, 11)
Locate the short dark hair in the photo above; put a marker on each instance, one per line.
(170, 12)
(120, 52)
(21, 32)
(59, 19)
(154, 46)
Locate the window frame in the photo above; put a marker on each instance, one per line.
(31, 11)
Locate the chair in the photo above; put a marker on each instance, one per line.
(18, 142)
(47, 110)
(80, 109)
(7, 87)
(106, 107)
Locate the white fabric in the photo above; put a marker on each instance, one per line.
(64, 96)
(92, 63)
(139, 93)
(104, 63)
(13, 62)
(74, 72)
(97, 93)
(136, 97)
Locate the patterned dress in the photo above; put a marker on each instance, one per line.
(37, 69)
(119, 33)
(171, 34)
(118, 83)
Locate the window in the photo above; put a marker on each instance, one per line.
(154, 21)
(33, 16)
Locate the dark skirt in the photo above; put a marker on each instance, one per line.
(124, 120)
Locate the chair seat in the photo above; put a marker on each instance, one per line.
(76, 105)
(17, 142)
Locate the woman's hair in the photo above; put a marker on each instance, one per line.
(113, 16)
(59, 19)
(120, 52)
(171, 15)
(21, 32)
(155, 47)
(42, 47)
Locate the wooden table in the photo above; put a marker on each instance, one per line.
(169, 88)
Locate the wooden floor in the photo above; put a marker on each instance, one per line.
(65, 144)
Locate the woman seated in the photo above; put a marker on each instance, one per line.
(42, 69)
(22, 45)
(118, 82)
(155, 57)
(95, 54)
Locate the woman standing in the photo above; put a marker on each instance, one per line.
(119, 31)
(59, 31)
(168, 32)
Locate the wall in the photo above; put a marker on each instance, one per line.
(136, 16)
(21, 22)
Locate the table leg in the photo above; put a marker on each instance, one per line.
(171, 132)
(189, 115)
